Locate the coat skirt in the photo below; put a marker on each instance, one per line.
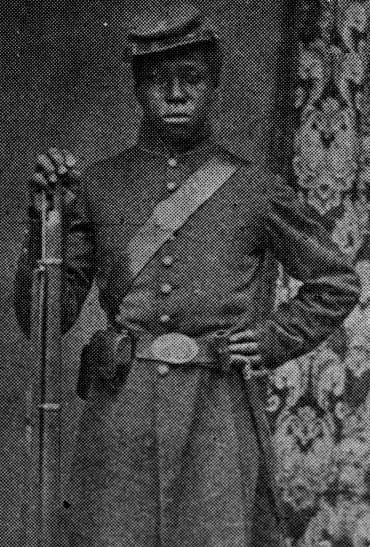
(170, 460)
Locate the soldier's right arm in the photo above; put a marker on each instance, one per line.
(79, 262)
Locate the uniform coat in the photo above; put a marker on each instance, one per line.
(174, 457)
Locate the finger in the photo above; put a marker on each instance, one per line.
(70, 162)
(249, 372)
(118, 318)
(245, 359)
(69, 159)
(58, 160)
(254, 359)
(39, 183)
(45, 164)
(243, 335)
(248, 348)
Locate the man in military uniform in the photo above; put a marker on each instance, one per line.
(183, 239)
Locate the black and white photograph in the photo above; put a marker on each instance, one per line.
(185, 273)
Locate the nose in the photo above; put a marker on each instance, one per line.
(176, 91)
(327, 139)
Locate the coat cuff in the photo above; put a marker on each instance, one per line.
(276, 346)
(33, 241)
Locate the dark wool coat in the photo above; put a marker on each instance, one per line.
(174, 457)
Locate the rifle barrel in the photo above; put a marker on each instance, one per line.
(47, 389)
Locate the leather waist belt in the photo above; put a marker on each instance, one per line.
(178, 349)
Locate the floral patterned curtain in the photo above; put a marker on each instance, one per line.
(320, 404)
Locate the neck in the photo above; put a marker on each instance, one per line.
(155, 140)
(184, 145)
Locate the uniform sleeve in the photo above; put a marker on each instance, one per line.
(79, 262)
(330, 285)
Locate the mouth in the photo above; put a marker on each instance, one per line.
(177, 118)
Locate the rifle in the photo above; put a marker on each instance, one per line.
(44, 397)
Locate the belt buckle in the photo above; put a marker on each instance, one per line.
(175, 348)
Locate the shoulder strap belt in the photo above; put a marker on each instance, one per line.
(172, 213)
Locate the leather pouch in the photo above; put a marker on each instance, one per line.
(106, 360)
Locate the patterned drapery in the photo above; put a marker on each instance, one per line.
(320, 404)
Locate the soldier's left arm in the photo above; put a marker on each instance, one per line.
(330, 287)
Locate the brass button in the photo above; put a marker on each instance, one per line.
(163, 369)
(166, 288)
(171, 186)
(167, 260)
(172, 162)
(164, 318)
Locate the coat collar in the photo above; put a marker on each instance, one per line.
(150, 142)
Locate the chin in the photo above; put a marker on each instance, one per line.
(179, 132)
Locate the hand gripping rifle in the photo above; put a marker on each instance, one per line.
(45, 400)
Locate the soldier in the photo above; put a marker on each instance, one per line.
(183, 238)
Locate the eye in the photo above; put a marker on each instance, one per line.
(155, 75)
(192, 76)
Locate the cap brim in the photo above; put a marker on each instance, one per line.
(154, 47)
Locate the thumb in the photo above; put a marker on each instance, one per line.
(243, 336)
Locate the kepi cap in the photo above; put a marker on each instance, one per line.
(169, 27)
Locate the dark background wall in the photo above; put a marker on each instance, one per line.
(64, 83)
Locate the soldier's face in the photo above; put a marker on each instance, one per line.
(176, 94)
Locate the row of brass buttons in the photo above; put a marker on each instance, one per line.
(167, 261)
